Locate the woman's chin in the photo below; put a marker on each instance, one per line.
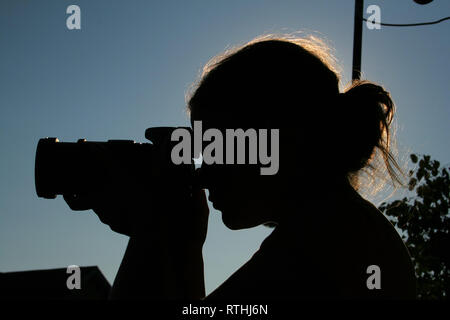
(234, 223)
(229, 223)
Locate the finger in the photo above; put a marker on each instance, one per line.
(200, 202)
(114, 218)
(201, 211)
(77, 202)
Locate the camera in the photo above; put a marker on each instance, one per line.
(76, 168)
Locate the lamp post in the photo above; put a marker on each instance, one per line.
(357, 39)
(357, 36)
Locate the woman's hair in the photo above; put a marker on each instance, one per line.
(293, 84)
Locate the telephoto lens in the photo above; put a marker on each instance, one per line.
(76, 168)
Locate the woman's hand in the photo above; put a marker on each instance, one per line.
(140, 212)
(167, 224)
(163, 204)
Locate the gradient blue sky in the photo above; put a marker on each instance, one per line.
(129, 68)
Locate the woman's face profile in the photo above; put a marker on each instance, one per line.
(241, 194)
(251, 89)
(233, 188)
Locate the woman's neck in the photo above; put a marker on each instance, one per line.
(312, 203)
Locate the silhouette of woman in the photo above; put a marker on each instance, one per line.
(327, 238)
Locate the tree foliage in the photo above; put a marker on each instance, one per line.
(423, 219)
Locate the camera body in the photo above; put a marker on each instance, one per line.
(76, 168)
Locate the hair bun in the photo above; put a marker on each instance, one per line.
(368, 111)
(372, 95)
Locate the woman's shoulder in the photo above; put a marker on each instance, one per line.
(375, 247)
(332, 254)
(278, 270)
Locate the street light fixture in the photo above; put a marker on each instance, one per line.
(422, 1)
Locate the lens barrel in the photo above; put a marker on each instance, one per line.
(72, 168)
(83, 167)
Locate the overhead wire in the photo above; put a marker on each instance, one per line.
(407, 24)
